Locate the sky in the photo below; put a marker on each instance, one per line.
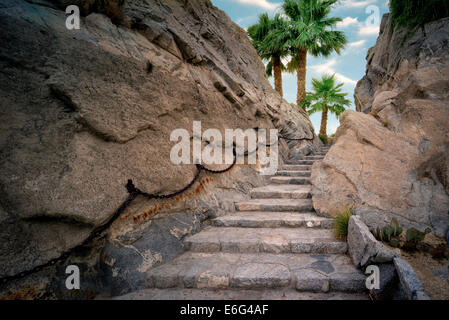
(361, 20)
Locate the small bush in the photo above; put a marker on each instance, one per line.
(341, 224)
(323, 138)
(415, 13)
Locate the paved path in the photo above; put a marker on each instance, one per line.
(273, 246)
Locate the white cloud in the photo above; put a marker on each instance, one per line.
(261, 3)
(363, 28)
(332, 126)
(347, 22)
(356, 44)
(246, 20)
(327, 68)
(366, 31)
(355, 3)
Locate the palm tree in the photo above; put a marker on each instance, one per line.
(326, 96)
(310, 32)
(270, 49)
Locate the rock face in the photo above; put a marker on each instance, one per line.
(363, 248)
(392, 159)
(84, 110)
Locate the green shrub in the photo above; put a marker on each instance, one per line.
(413, 14)
(341, 224)
(323, 138)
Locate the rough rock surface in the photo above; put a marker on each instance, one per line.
(363, 248)
(84, 110)
(410, 283)
(394, 161)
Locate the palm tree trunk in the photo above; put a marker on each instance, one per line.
(301, 76)
(323, 127)
(277, 73)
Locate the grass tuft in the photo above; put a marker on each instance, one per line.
(341, 224)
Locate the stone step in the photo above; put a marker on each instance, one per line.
(290, 180)
(293, 173)
(284, 191)
(258, 271)
(273, 220)
(234, 294)
(302, 162)
(315, 157)
(269, 240)
(291, 167)
(315, 281)
(297, 205)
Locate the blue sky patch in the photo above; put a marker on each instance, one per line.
(361, 25)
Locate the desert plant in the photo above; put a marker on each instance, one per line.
(397, 230)
(413, 235)
(378, 233)
(394, 243)
(389, 234)
(341, 224)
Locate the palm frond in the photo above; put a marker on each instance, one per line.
(326, 93)
(310, 24)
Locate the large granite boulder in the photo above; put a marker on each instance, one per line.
(393, 160)
(84, 110)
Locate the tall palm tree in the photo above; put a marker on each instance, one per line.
(310, 31)
(270, 49)
(326, 97)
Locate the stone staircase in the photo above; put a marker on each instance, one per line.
(273, 246)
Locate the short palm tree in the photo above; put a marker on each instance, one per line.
(310, 31)
(270, 49)
(326, 96)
